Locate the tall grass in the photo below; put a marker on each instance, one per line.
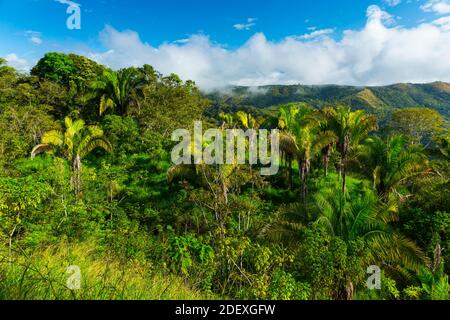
(43, 275)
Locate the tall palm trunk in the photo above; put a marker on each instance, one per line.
(290, 173)
(303, 171)
(344, 179)
(287, 170)
(344, 153)
(76, 175)
(326, 153)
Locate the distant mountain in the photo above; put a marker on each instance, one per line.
(378, 100)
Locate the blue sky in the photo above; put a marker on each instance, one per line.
(182, 29)
(158, 21)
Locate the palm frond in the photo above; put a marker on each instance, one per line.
(393, 248)
(54, 137)
(105, 104)
(93, 143)
(40, 148)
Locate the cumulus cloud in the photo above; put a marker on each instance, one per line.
(17, 63)
(251, 22)
(376, 14)
(437, 6)
(377, 54)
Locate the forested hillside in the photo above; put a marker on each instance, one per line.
(87, 182)
(379, 100)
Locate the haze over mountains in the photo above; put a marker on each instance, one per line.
(377, 99)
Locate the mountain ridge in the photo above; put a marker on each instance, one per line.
(434, 95)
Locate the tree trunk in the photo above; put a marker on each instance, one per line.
(302, 176)
(349, 291)
(344, 152)
(76, 169)
(290, 173)
(344, 176)
(326, 158)
(10, 243)
(224, 192)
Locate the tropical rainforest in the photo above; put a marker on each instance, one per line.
(86, 180)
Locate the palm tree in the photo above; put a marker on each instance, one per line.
(227, 120)
(119, 89)
(368, 219)
(390, 163)
(286, 120)
(217, 179)
(331, 138)
(301, 138)
(246, 120)
(239, 119)
(350, 127)
(75, 143)
(434, 280)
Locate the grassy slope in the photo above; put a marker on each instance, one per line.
(43, 276)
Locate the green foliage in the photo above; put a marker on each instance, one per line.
(418, 124)
(350, 128)
(75, 143)
(380, 100)
(329, 264)
(119, 89)
(283, 286)
(86, 70)
(4, 68)
(141, 228)
(63, 69)
(21, 127)
(54, 66)
(170, 104)
(184, 250)
(391, 163)
(123, 134)
(412, 292)
(20, 198)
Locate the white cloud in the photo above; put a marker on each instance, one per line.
(377, 54)
(443, 23)
(18, 63)
(245, 26)
(393, 3)
(437, 6)
(36, 40)
(182, 41)
(316, 34)
(34, 36)
(375, 13)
